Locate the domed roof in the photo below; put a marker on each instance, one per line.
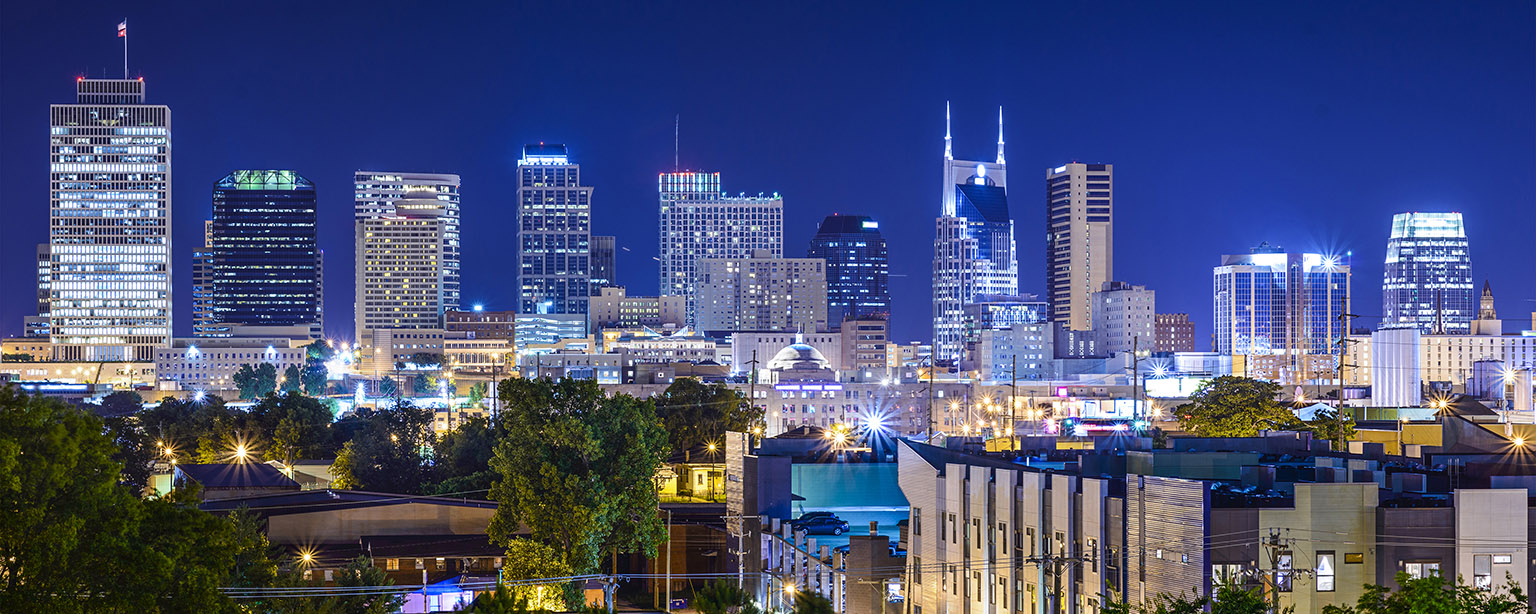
(798, 356)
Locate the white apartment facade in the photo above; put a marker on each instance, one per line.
(374, 196)
(762, 293)
(1126, 317)
(399, 279)
(698, 221)
(1080, 240)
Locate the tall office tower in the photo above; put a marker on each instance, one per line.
(376, 192)
(1079, 240)
(399, 280)
(762, 293)
(1428, 278)
(973, 248)
(858, 268)
(204, 324)
(1270, 303)
(110, 223)
(698, 221)
(604, 263)
(266, 252)
(1126, 317)
(44, 278)
(554, 235)
(1175, 333)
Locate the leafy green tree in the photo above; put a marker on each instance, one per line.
(462, 457)
(1232, 406)
(255, 559)
(187, 555)
(500, 601)
(529, 560)
(577, 469)
(477, 394)
(1326, 426)
(256, 381)
(1234, 599)
(315, 378)
(1434, 595)
(811, 603)
(293, 379)
(136, 450)
(122, 403)
(421, 386)
(388, 387)
(695, 412)
(318, 351)
(358, 574)
(426, 360)
(387, 453)
(297, 426)
(720, 597)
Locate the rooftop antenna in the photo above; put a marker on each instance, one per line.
(677, 128)
(948, 153)
(1000, 135)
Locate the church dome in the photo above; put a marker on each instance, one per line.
(798, 356)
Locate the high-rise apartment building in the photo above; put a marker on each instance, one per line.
(762, 293)
(554, 233)
(399, 279)
(375, 193)
(1428, 279)
(1175, 333)
(974, 252)
(1271, 303)
(1126, 317)
(604, 263)
(204, 323)
(614, 308)
(698, 221)
(1079, 240)
(858, 268)
(44, 278)
(109, 223)
(266, 251)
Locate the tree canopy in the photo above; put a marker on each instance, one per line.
(694, 412)
(1435, 595)
(387, 452)
(1232, 406)
(256, 381)
(577, 469)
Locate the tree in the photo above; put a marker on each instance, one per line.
(388, 387)
(477, 394)
(358, 574)
(528, 560)
(293, 379)
(811, 603)
(577, 469)
(315, 378)
(187, 555)
(1433, 595)
(386, 453)
(1326, 426)
(121, 403)
(695, 413)
(720, 597)
(136, 451)
(257, 381)
(1232, 406)
(1228, 599)
(318, 351)
(297, 426)
(500, 601)
(462, 457)
(426, 360)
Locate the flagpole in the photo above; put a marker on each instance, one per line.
(125, 49)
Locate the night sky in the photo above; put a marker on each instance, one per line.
(1229, 123)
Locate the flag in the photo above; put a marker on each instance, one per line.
(122, 30)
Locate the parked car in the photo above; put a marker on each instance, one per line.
(823, 525)
(809, 516)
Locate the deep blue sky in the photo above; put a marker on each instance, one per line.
(1303, 124)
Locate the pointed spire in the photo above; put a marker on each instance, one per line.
(949, 154)
(1000, 135)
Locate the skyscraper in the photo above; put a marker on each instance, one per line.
(399, 279)
(1428, 279)
(604, 263)
(376, 192)
(1270, 303)
(204, 323)
(1079, 240)
(109, 223)
(858, 269)
(762, 293)
(973, 248)
(266, 252)
(554, 235)
(698, 221)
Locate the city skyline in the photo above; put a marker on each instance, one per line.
(886, 150)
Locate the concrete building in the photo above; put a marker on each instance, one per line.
(613, 307)
(974, 252)
(864, 341)
(554, 237)
(374, 196)
(109, 223)
(481, 324)
(762, 292)
(548, 328)
(1285, 306)
(1175, 333)
(604, 262)
(265, 247)
(1080, 240)
(645, 345)
(1022, 351)
(699, 221)
(763, 345)
(210, 363)
(399, 279)
(1402, 365)
(1125, 317)
(858, 267)
(1427, 282)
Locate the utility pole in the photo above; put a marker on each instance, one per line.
(1056, 562)
(932, 367)
(1136, 382)
(669, 561)
(1338, 417)
(1013, 401)
(1271, 577)
(752, 395)
(741, 554)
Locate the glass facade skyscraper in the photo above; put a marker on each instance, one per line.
(1269, 302)
(554, 234)
(974, 252)
(858, 267)
(697, 221)
(376, 193)
(265, 250)
(1427, 283)
(109, 223)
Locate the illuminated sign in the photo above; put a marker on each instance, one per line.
(871, 225)
(1172, 387)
